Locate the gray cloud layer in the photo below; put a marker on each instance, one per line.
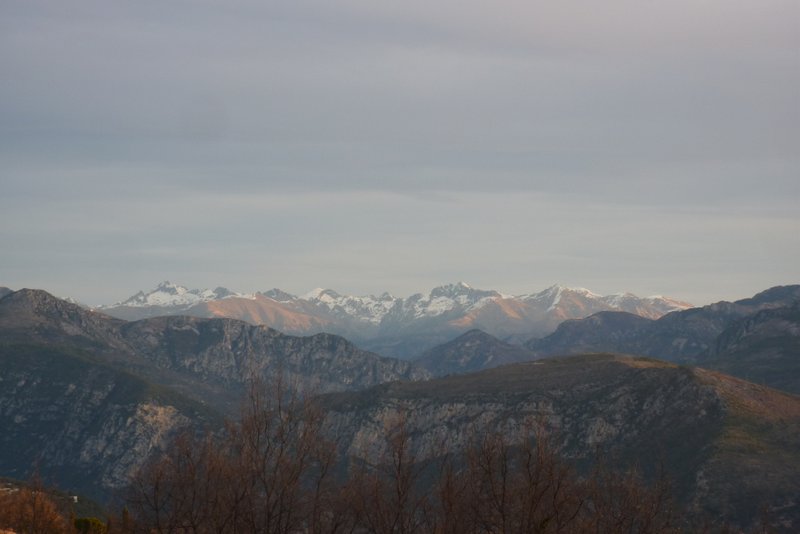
(645, 146)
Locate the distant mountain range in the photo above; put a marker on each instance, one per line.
(757, 339)
(91, 397)
(393, 326)
(196, 355)
(86, 399)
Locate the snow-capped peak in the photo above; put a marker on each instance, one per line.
(168, 287)
(554, 293)
(617, 299)
(313, 294)
(328, 297)
(459, 290)
(446, 298)
(279, 295)
(453, 301)
(556, 290)
(367, 308)
(167, 294)
(455, 287)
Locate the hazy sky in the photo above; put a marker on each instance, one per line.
(645, 146)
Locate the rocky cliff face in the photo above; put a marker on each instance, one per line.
(208, 359)
(763, 347)
(89, 398)
(228, 353)
(85, 427)
(710, 430)
(619, 402)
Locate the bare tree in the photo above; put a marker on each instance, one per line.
(452, 508)
(282, 460)
(177, 492)
(385, 493)
(272, 472)
(31, 510)
(621, 501)
(521, 487)
(267, 473)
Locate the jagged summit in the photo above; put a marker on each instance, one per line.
(169, 287)
(460, 290)
(279, 295)
(168, 294)
(386, 323)
(367, 309)
(317, 293)
(456, 288)
(555, 292)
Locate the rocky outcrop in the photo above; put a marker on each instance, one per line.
(84, 426)
(716, 435)
(590, 400)
(87, 398)
(762, 348)
(210, 360)
(228, 353)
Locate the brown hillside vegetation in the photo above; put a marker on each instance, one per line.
(280, 470)
(32, 511)
(727, 460)
(273, 472)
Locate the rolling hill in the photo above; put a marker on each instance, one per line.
(729, 446)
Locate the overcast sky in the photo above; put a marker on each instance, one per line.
(362, 145)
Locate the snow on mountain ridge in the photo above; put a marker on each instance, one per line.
(446, 298)
(367, 308)
(456, 297)
(617, 299)
(313, 294)
(556, 299)
(371, 309)
(555, 293)
(167, 294)
(279, 295)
